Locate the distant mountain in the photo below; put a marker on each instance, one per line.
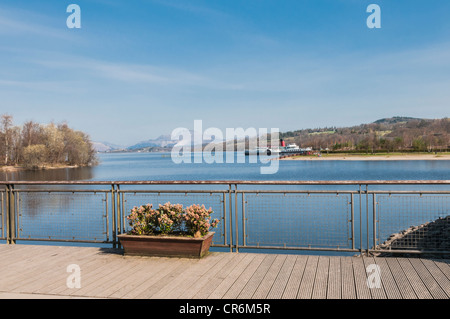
(161, 141)
(165, 141)
(386, 134)
(106, 147)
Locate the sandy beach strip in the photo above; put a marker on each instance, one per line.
(359, 157)
(20, 168)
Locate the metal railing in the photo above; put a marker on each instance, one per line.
(345, 216)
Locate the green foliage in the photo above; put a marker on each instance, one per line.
(419, 144)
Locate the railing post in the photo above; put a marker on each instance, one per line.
(107, 216)
(113, 208)
(374, 213)
(231, 217)
(353, 219)
(10, 215)
(236, 217)
(360, 221)
(119, 212)
(225, 228)
(243, 221)
(367, 220)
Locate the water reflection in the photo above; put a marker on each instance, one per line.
(33, 204)
(57, 174)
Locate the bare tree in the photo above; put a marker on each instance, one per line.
(6, 124)
(35, 145)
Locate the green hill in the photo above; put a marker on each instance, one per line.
(398, 133)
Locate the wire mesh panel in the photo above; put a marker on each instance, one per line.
(419, 222)
(2, 214)
(213, 200)
(62, 216)
(298, 220)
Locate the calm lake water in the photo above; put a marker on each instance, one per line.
(160, 166)
(318, 219)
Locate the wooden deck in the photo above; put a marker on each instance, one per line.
(35, 271)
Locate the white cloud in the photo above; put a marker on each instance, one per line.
(21, 22)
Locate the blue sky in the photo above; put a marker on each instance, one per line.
(139, 69)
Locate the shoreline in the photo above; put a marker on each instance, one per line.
(360, 157)
(20, 168)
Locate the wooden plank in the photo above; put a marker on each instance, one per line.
(23, 255)
(154, 269)
(334, 287)
(114, 279)
(438, 275)
(251, 286)
(293, 284)
(56, 267)
(184, 280)
(416, 283)
(87, 263)
(98, 278)
(28, 262)
(444, 266)
(9, 251)
(279, 286)
(243, 279)
(41, 269)
(266, 284)
(376, 292)
(100, 266)
(359, 271)
(207, 289)
(307, 284)
(429, 281)
(348, 278)
(15, 269)
(400, 278)
(224, 263)
(57, 284)
(321, 281)
(228, 281)
(22, 258)
(49, 282)
(387, 279)
(181, 265)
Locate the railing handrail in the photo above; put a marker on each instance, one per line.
(234, 182)
(232, 195)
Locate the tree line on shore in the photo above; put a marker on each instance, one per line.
(392, 134)
(35, 145)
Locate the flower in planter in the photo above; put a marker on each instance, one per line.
(169, 218)
(138, 219)
(198, 221)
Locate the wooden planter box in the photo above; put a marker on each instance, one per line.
(166, 246)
